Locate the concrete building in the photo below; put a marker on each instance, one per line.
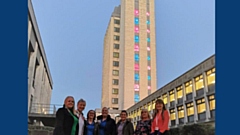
(40, 83)
(190, 98)
(110, 78)
(129, 72)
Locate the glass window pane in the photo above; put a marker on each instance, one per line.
(181, 114)
(201, 108)
(190, 111)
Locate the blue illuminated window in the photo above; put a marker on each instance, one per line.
(136, 57)
(136, 39)
(136, 77)
(136, 21)
(136, 97)
(148, 39)
(149, 77)
(148, 22)
(148, 58)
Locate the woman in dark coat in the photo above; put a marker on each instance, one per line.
(66, 119)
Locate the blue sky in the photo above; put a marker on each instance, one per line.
(72, 33)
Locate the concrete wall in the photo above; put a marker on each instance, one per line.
(40, 130)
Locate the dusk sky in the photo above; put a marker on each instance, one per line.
(72, 33)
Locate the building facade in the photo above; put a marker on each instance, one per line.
(189, 99)
(138, 52)
(136, 62)
(110, 74)
(40, 83)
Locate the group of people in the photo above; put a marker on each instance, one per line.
(72, 122)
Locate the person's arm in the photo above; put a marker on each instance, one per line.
(59, 122)
(165, 122)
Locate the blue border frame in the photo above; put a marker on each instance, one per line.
(13, 57)
(227, 67)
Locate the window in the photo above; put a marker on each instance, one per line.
(180, 112)
(136, 48)
(116, 46)
(211, 102)
(188, 87)
(172, 98)
(148, 58)
(136, 67)
(115, 54)
(116, 21)
(115, 72)
(149, 106)
(148, 39)
(136, 57)
(199, 82)
(165, 98)
(114, 91)
(149, 77)
(211, 76)
(136, 87)
(179, 92)
(136, 77)
(136, 39)
(148, 22)
(190, 109)
(115, 100)
(116, 29)
(136, 97)
(136, 21)
(116, 38)
(172, 114)
(115, 63)
(115, 82)
(201, 105)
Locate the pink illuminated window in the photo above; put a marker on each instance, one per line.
(136, 29)
(149, 67)
(148, 31)
(136, 48)
(149, 87)
(136, 12)
(147, 13)
(148, 48)
(136, 87)
(136, 67)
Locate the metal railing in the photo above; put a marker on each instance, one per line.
(39, 108)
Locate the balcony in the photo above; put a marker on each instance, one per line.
(202, 116)
(191, 118)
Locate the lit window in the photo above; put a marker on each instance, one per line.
(172, 114)
(136, 57)
(115, 72)
(201, 105)
(147, 13)
(148, 39)
(136, 21)
(165, 99)
(211, 102)
(171, 96)
(136, 29)
(148, 31)
(180, 112)
(136, 39)
(148, 22)
(149, 107)
(190, 109)
(136, 48)
(149, 68)
(148, 58)
(136, 97)
(179, 92)
(115, 54)
(115, 91)
(149, 77)
(136, 67)
(136, 77)
(211, 76)
(149, 87)
(188, 87)
(199, 82)
(136, 12)
(148, 48)
(136, 87)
